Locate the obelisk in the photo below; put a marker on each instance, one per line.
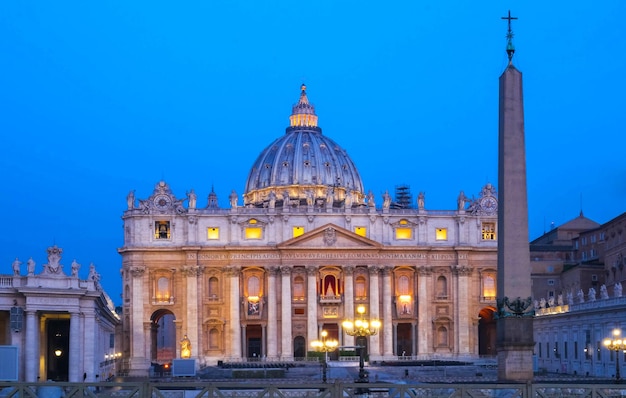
(515, 314)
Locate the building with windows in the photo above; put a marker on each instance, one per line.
(55, 325)
(589, 304)
(306, 247)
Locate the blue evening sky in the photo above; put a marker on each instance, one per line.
(101, 97)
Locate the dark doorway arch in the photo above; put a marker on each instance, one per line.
(299, 347)
(487, 332)
(162, 337)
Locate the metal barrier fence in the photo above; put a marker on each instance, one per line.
(300, 389)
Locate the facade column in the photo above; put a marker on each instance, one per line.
(286, 339)
(235, 313)
(272, 309)
(462, 309)
(76, 350)
(191, 309)
(32, 346)
(139, 356)
(413, 339)
(348, 301)
(424, 326)
(374, 312)
(147, 328)
(90, 363)
(387, 321)
(311, 305)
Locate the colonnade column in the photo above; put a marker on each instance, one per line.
(462, 312)
(235, 313)
(286, 344)
(311, 305)
(32, 346)
(424, 327)
(272, 308)
(348, 303)
(76, 351)
(387, 322)
(374, 296)
(90, 362)
(139, 356)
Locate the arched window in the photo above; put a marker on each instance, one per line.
(489, 286)
(298, 288)
(403, 285)
(214, 341)
(253, 286)
(163, 289)
(330, 288)
(359, 288)
(442, 336)
(214, 292)
(442, 287)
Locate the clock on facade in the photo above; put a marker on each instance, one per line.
(489, 204)
(162, 202)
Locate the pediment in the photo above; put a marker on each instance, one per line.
(330, 236)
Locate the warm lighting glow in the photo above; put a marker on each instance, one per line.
(361, 326)
(405, 298)
(58, 352)
(253, 233)
(324, 345)
(404, 233)
(297, 231)
(616, 344)
(253, 298)
(213, 233)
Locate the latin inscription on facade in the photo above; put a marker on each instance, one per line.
(326, 256)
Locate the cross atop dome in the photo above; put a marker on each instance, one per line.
(303, 113)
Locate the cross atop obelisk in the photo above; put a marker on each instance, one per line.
(510, 48)
(514, 327)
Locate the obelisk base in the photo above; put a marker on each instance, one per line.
(515, 349)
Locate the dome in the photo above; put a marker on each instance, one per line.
(304, 165)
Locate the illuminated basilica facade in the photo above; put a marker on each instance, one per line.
(307, 247)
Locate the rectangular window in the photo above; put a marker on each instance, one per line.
(598, 351)
(565, 349)
(441, 234)
(547, 350)
(575, 349)
(297, 231)
(550, 282)
(213, 233)
(362, 231)
(253, 233)
(403, 233)
(112, 340)
(489, 231)
(298, 311)
(161, 230)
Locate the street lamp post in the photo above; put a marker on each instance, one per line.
(618, 345)
(324, 345)
(361, 327)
